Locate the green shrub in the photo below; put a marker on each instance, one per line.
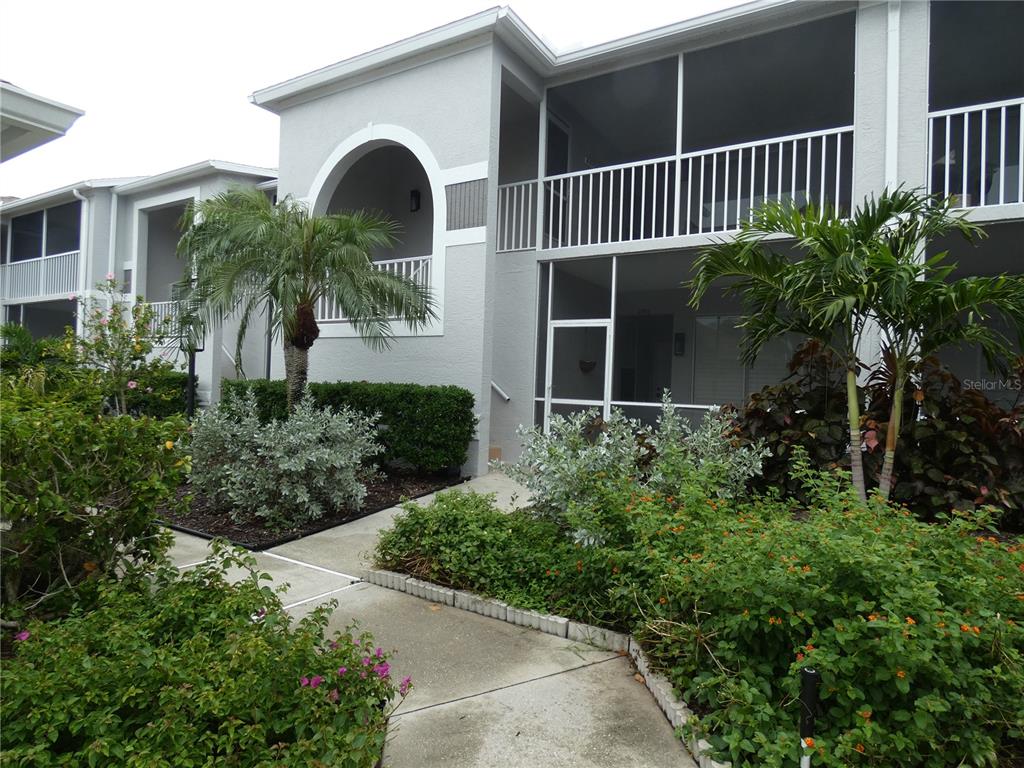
(957, 449)
(78, 492)
(283, 473)
(914, 627)
(426, 427)
(917, 629)
(185, 670)
(159, 391)
(462, 540)
(581, 472)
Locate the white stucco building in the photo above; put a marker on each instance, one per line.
(555, 201)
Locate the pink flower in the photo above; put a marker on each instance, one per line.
(405, 685)
(103, 321)
(303, 681)
(362, 675)
(383, 669)
(110, 275)
(333, 695)
(334, 645)
(71, 297)
(342, 670)
(315, 681)
(22, 636)
(367, 661)
(133, 384)
(379, 652)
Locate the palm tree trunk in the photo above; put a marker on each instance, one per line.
(892, 434)
(296, 371)
(853, 409)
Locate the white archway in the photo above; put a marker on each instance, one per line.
(361, 143)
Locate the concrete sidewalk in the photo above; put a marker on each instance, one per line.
(486, 693)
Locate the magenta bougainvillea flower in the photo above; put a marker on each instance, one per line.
(383, 669)
(314, 682)
(405, 685)
(22, 636)
(367, 661)
(342, 670)
(379, 652)
(303, 681)
(333, 695)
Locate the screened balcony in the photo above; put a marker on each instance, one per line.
(687, 145)
(976, 103)
(40, 254)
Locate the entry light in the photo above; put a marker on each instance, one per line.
(414, 200)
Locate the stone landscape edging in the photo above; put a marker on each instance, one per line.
(675, 710)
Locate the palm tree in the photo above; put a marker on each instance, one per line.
(820, 296)
(249, 256)
(856, 275)
(919, 309)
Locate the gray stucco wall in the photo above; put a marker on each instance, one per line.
(869, 101)
(445, 102)
(454, 358)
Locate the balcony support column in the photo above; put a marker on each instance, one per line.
(542, 163)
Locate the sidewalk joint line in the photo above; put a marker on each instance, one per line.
(190, 565)
(321, 595)
(309, 565)
(504, 687)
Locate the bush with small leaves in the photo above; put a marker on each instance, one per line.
(185, 669)
(282, 473)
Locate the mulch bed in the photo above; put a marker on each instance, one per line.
(387, 490)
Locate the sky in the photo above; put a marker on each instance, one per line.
(167, 85)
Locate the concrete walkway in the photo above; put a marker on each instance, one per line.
(486, 693)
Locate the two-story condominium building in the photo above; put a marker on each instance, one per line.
(555, 202)
(57, 246)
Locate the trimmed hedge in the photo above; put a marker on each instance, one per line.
(428, 427)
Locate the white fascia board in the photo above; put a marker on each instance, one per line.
(269, 98)
(514, 32)
(50, 197)
(193, 171)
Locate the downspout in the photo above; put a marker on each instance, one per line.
(112, 246)
(84, 255)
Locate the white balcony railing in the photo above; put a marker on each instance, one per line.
(517, 222)
(700, 192)
(414, 268)
(46, 277)
(975, 153)
(165, 316)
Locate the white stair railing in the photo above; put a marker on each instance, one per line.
(976, 153)
(517, 216)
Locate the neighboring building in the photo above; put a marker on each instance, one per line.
(62, 243)
(555, 202)
(28, 121)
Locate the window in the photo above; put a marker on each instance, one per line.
(63, 225)
(27, 236)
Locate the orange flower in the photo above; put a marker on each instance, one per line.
(910, 620)
(579, 566)
(809, 742)
(976, 630)
(965, 628)
(900, 674)
(615, 569)
(662, 599)
(860, 748)
(809, 647)
(806, 569)
(872, 617)
(865, 713)
(799, 657)
(89, 566)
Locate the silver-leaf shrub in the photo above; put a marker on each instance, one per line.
(287, 472)
(581, 470)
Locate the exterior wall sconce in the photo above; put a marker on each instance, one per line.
(414, 200)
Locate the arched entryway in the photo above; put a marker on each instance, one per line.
(389, 179)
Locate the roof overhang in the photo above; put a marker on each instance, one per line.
(192, 172)
(59, 195)
(28, 121)
(503, 24)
